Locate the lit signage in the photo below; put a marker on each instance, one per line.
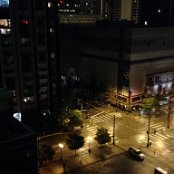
(4, 3)
(17, 116)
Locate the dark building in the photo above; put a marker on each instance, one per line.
(18, 144)
(127, 63)
(156, 13)
(29, 55)
(69, 7)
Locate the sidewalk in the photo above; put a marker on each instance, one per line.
(82, 158)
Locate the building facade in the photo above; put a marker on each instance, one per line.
(129, 62)
(18, 144)
(29, 54)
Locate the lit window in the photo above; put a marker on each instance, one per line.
(25, 100)
(24, 21)
(67, 5)
(5, 22)
(51, 30)
(49, 4)
(145, 23)
(52, 55)
(86, 3)
(5, 30)
(159, 10)
(61, 1)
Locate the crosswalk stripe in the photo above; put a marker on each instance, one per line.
(92, 128)
(157, 126)
(97, 114)
(160, 136)
(103, 117)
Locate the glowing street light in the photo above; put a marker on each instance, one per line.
(61, 146)
(89, 143)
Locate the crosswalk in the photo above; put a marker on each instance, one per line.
(102, 117)
(156, 129)
(156, 126)
(156, 133)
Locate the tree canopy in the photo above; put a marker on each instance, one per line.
(45, 152)
(75, 141)
(71, 118)
(149, 104)
(102, 136)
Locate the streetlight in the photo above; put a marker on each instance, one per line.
(169, 111)
(61, 147)
(113, 140)
(89, 143)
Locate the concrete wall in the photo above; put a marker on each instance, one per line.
(98, 72)
(152, 43)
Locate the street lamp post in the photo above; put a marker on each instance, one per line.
(61, 147)
(89, 144)
(169, 113)
(113, 131)
(148, 132)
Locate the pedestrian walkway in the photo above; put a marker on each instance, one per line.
(83, 158)
(102, 117)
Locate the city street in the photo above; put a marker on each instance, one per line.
(130, 130)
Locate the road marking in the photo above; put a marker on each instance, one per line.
(97, 114)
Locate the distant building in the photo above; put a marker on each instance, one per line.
(29, 61)
(156, 13)
(132, 62)
(18, 144)
(124, 10)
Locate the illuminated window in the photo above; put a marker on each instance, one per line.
(145, 23)
(24, 21)
(49, 4)
(61, 1)
(5, 22)
(159, 10)
(5, 31)
(4, 3)
(51, 30)
(52, 55)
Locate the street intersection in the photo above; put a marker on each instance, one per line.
(130, 130)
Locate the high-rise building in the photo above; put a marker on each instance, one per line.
(123, 9)
(29, 60)
(18, 152)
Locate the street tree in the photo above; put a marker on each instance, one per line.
(149, 104)
(102, 136)
(75, 118)
(75, 141)
(71, 118)
(45, 152)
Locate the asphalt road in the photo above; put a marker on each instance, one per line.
(130, 130)
(122, 164)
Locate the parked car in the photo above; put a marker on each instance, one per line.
(159, 170)
(137, 153)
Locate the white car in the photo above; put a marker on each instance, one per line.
(137, 153)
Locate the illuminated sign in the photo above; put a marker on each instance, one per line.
(4, 3)
(17, 116)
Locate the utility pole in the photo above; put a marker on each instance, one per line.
(148, 131)
(113, 131)
(169, 114)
